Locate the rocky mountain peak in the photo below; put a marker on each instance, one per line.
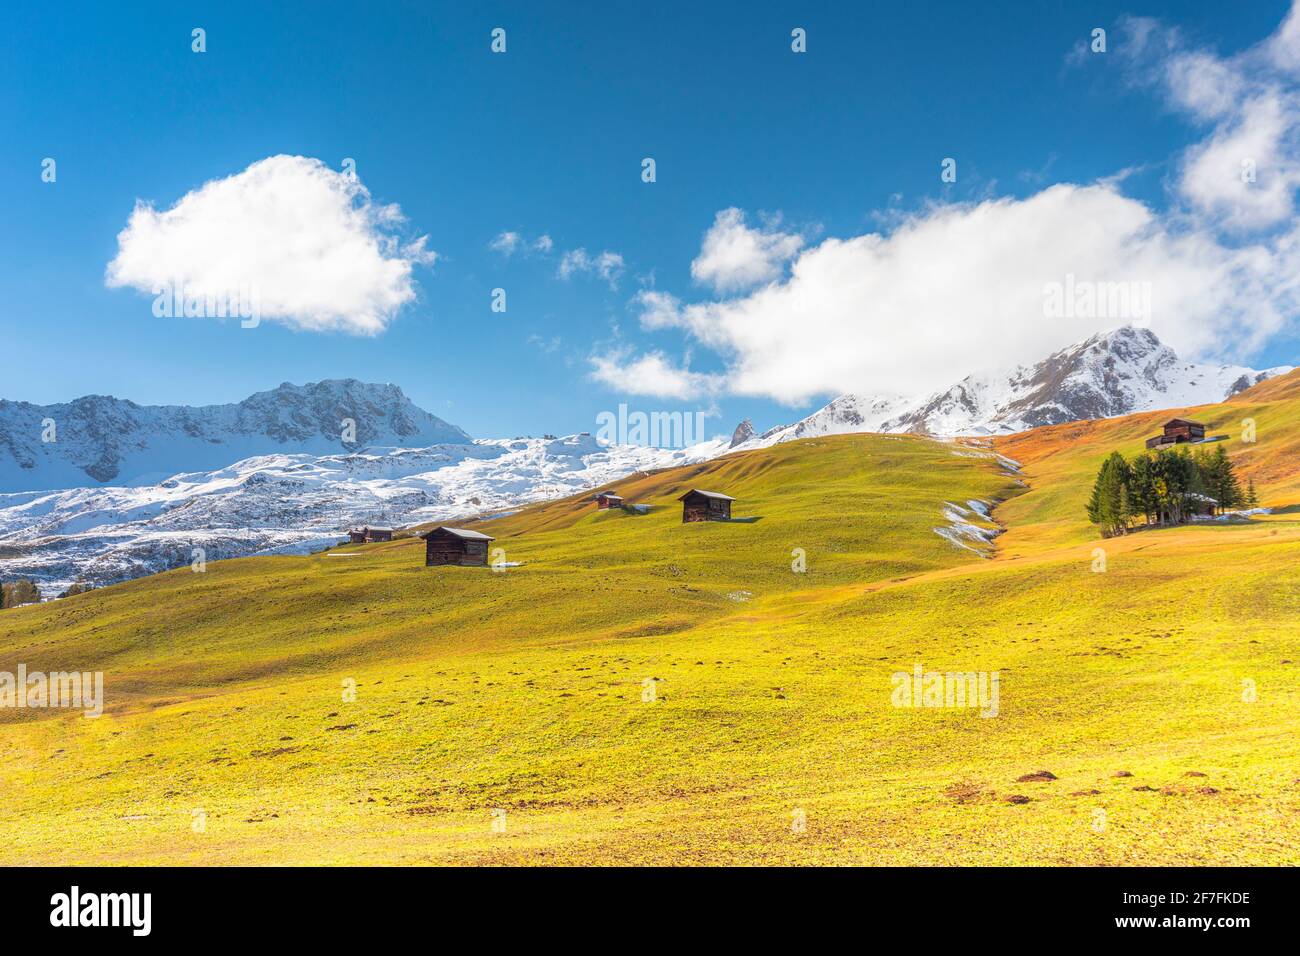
(1116, 372)
(743, 433)
(112, 440)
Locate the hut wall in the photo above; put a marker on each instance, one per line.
(705, 509)
(439, 551)
(694, 511)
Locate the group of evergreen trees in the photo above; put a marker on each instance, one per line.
(1165, 488)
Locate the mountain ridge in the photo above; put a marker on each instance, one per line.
(1117, 372)
(100, 440)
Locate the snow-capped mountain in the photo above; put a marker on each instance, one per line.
(297, 503)
(1119, 372)
(164, 484)
(99, 440)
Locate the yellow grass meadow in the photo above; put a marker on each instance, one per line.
(640, 691)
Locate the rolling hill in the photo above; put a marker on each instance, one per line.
(637, 690)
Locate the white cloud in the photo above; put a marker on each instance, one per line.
(1283, 48)
(960, 287)
(608, 265)
(307, 241)
(734, 257)
(1204, 85)
(956, 288)
(652, 374)
(505, 243)
(508, 243)
(1244, 174)
(545, 345)
(659, 310)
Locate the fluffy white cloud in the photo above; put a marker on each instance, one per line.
(652, 374)
(1245, 172)
(1283, 47)
(957, 288)
(734, 256)
(608, 265)
(305, 241)
(960, 287)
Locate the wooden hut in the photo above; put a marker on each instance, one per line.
(1176, 432)
(357, 536)
(379, 534)
(608, 499)
(700, 505)
(456, 546)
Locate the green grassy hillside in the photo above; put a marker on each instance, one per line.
(639, 691)
(1262, 429)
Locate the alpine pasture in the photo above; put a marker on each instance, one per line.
(639, 690)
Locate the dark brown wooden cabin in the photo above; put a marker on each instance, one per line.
(456, 546)
(357, 537)
(1177, 431)
(700, 505)
(379, 534)
(608, 499)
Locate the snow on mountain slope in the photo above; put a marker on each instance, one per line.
(295, 487)
(296, 503)
(1113, 373)
(100, 440)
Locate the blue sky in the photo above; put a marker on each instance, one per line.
(547, 139)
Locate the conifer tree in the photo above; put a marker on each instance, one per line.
(1228, 488)
(1108, 505)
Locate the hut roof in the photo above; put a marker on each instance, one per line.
(375, 527)
(706, 494)
(1182, 421)
(461, 533)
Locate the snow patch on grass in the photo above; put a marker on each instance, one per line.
(963, 533)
